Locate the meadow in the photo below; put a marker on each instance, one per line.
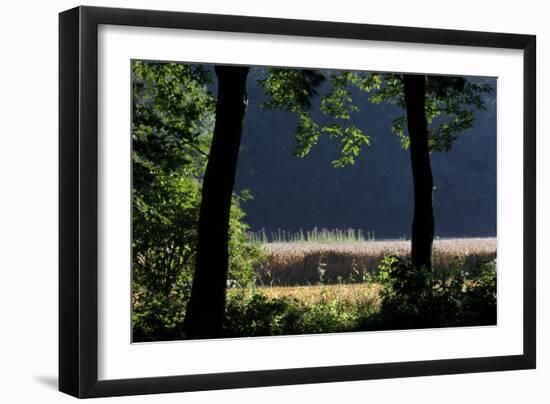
(341, 283)
(336, 284)
(335, 260)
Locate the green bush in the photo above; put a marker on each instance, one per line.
(418, 298)
(479, 305)
(165, 216)
(250, 314)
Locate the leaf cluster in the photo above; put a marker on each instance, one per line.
(173, 114)
(294, 90)
(451, 104)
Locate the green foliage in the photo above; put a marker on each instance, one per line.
(169, 149)
(419, 298)
(307, 135)
(164, 227)
(244, 256)
(254, 314)
(258, 315)
(410, 299)
(165, 219)
(451, 103)
(173, 115)
(290, 89)
(293, 90)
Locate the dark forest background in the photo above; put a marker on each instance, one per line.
(375, 194)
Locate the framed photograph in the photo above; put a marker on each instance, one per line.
(251, 201)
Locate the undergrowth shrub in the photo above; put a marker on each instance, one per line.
(254, 314)
(164, 254)
(419, 298)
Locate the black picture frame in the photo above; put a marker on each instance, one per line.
(78, 201)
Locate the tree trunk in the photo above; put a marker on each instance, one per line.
(423, 220)
(206, 307)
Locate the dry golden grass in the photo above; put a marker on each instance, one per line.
(314, 294)
(304, 263)
(355, 293)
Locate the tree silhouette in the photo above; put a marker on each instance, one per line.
(422, 234)
(206, 307)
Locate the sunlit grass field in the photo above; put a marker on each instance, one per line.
(311, 263)
(311, 287)
(357, 293)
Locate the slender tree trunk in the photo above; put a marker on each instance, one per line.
(206, 308)
(423, 221)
